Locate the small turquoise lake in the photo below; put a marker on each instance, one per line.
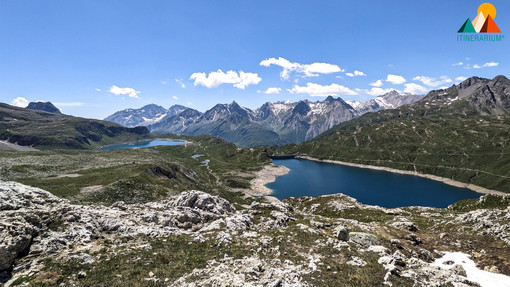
(144, 144)
(368, 186)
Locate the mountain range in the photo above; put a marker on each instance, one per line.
(271, 124)
(460, 133)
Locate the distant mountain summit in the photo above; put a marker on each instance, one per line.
(484, 96)
(271, 124)
(390, 100)
(143, 116)
(43, 106)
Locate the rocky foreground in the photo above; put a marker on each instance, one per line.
(197, 239)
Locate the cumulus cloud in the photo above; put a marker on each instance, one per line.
(272, 91)
(395, 79)
(355, 74)
(98, 90)
(458, 64)
(181, 82)
(377, 83)
(132, 93)
(214, 79)
(432, 82)
(460, 79)
(415, 89)
(490, 64)
(309, 70)
(247, 79)
(175, 97)
(476, 66)
(316, 90)
(20, 102)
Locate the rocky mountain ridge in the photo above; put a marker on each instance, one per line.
(271, 124)
(43, 106)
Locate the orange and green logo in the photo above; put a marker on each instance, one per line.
(483, 23)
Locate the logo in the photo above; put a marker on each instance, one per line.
(482, 25)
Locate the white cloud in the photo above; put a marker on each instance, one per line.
(460, 79)
(175, 97)
(181, 82)
(309, 70)
(316, 90)
(215, 79)
(415, 89)
(432, 82)
(20, 102)
(247, 79)
(377, 83)
(124, 91)
(97, 89)
(491, 64)
(458, 64)
(313, 70)
(395, 79)
(356, 74)
(486, 65)
(272, 91)
(70, 104)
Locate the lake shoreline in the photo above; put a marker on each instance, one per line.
(142, 140)
(266, 175)
(444, 180)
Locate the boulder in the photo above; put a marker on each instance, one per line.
(200, 200)
(342, 233)
(364, 239)
(15, 237)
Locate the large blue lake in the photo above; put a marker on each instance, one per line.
(143, 144)
(368, 186)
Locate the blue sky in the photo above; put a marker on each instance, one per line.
(93, 58)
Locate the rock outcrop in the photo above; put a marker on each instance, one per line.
(295, 243)
(35, 222)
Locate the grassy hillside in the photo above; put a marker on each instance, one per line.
(49, 130)
(136, 175)
(440, 135)
(238, 130)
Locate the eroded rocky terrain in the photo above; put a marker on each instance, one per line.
(197, 239)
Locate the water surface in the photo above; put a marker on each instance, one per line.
(144, 144)
(368, 186)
